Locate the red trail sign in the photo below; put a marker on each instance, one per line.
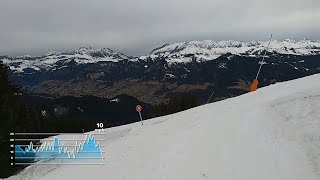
(139, 109)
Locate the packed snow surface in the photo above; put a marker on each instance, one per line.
(271, 134)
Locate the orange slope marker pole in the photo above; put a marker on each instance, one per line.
(254, 85)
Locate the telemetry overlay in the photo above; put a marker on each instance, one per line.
(63, 149)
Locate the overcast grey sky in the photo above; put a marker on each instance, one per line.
(135, 27)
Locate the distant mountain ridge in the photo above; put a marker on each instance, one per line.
(52, 59)
(198, 67)
(182, 52)
(209, 50)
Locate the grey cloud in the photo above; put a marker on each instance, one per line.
(138, 26)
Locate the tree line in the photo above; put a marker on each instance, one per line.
(175, 104)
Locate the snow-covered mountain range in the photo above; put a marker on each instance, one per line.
(209, 50)
(183, 52)
(51, 60)
(197, 67)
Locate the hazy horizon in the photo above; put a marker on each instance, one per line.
(135, 28)
(95, 47)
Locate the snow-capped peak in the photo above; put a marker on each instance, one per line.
(101, 53)
(84, 50)
(51, 53)
(192, 46)
(82, 55)
(209, 50)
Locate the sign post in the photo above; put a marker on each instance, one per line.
(139, 109)
(254, 85)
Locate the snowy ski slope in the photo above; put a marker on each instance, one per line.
(271, 134)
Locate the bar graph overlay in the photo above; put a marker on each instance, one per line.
(63, 148)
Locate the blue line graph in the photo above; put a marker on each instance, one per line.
(87, 152)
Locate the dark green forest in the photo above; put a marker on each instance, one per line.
(175, 104)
